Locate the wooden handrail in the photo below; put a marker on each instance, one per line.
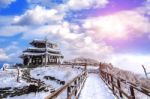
(117, 85)
(73, 87)
(80, 64)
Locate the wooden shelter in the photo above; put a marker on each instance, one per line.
(42, 53)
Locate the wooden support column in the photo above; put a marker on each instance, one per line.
(48, 59)
(85, 68)
(119, 86)
(42, 60)
(132, 92)
(56, 60)
(112, 84)
(68, 92)
(28, 60)
(31, 59)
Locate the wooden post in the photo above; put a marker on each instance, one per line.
(119, 86)
(18, 74)
(112, 83)
(68, 92)
(46, 52)
(132, 92)
(85, 68)
(75, 88)
(105, 76)
(108, 78)
(72, 65)
(79, 84)
(100, 66)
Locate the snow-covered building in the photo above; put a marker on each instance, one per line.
(42, 52)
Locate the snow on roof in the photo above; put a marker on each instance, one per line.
(43, 49)
(42, 41)
(39, 54)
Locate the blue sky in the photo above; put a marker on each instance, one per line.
(101, 29)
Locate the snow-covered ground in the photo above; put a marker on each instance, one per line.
(95, 88)
(89, 67)
(40, 95)
(8, 79)
(62, 73)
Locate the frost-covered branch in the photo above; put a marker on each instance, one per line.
(146, 73)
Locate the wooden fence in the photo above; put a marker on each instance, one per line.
(72, 88)
(116, 85)
(76, 64)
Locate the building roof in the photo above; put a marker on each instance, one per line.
(42, 49)
(38, 54)
(42, 41)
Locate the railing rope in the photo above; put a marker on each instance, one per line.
(73, 87)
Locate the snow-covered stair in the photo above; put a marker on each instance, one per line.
(95, 88)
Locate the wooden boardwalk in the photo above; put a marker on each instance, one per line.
(95, 88)
(99, 85)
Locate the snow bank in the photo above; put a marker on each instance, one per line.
(8, 79)
(62, 73)
(40, 95)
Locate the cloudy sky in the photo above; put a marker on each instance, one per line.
(116, 31)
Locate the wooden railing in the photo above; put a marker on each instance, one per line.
(76, 64)
(117, 84)
(71, 89)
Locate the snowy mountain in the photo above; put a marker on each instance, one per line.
(89, 61)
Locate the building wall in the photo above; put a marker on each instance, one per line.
(40, 60)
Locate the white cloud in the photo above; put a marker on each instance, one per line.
(81, 47)
(87, 47)
(5, 20)
(15, 55)
(118, 25)
(73, 43)
(85, 4)
(3, 55)
(46, 3)
(11, 30)
(11, 53)
(40, 22)
(62, 30)
(71, 4)
(39, 16)
(5, 3)
(8, 29)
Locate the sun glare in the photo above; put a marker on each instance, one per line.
(111, 26)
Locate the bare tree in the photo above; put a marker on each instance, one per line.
(146, 73)
(18, 74)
